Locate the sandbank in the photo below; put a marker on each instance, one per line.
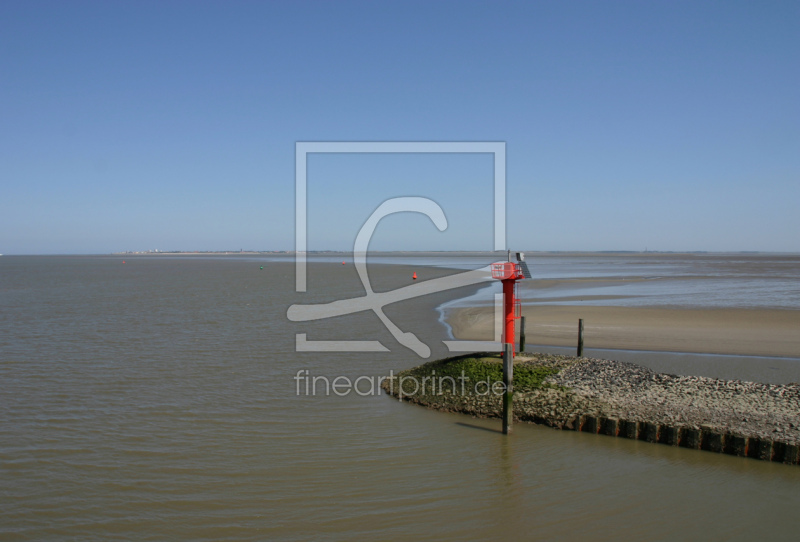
(756, 332)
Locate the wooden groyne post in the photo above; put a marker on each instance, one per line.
(522, 334)
(508, 387)
(580, 337)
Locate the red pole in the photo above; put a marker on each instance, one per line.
(508, 302)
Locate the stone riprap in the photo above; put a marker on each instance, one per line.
(741, 418)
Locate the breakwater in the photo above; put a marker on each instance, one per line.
(747, 419)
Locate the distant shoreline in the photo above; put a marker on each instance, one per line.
(495, 255)
(199, 252)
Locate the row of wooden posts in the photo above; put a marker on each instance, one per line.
(522, 336)
(508, 372)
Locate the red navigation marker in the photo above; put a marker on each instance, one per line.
(415, 276)
(123, 261)
(509, 273)
(342, 263)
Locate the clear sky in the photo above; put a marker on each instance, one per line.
(172, 125)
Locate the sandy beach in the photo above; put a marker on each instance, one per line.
(757, 332)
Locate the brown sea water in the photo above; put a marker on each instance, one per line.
(156, 400)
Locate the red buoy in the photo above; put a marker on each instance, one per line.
(415, 276)
(123, 261)
(342, 263)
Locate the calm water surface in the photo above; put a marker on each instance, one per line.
(155, 400)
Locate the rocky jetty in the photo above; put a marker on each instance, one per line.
(614, 398)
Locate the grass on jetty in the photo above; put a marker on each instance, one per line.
(479, 368)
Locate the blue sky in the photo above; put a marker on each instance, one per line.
(172, 125)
